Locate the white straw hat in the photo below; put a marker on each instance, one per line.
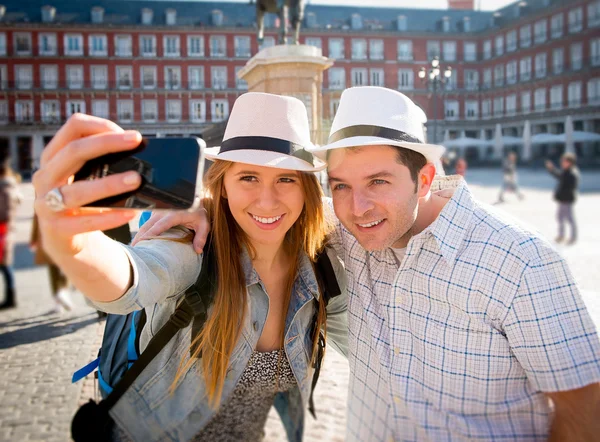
(268, 130)
(373, 116)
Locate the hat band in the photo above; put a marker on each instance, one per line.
(364, 130)
(267, 144)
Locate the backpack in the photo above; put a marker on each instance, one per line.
(119, 360)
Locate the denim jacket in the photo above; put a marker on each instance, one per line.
(162, 271)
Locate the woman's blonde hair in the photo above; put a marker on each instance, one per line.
(222, 329)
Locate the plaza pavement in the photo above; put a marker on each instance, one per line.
(39, 350)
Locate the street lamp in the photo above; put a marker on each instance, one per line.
(435, 78)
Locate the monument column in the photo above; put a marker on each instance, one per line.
(292, 70)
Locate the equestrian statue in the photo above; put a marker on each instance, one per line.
(292, 9)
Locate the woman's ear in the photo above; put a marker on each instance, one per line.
(223, 192)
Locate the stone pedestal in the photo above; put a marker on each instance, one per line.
(292, 70)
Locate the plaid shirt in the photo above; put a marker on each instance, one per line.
(460, 340)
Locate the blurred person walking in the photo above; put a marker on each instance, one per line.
(510, 182)
(460, 168)
(565, 194)
(10, 199)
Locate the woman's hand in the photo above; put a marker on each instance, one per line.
(81, 138)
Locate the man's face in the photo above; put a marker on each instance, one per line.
(374, 195)
(565, 164)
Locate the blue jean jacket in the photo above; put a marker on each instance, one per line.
(162, 271)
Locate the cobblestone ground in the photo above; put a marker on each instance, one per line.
(39, 350)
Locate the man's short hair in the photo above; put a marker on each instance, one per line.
(570, 157)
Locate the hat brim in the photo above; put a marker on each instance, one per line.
(266, 158)
(431, 152)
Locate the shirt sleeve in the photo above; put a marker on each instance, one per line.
(549, 328)
(337, 308)
(162, 268)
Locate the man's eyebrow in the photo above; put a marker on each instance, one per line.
(383, 174)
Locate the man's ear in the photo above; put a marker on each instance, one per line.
(425, 179)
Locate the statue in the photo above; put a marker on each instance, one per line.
(295, 9)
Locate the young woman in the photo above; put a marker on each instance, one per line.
(267, 225)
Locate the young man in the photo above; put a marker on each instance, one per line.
(565, 193)
(510, 182)
(462, 326)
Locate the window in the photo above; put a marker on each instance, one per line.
(359, 49)
(576, 56)
(125, 111)
(100, 108)
(22, 43)
(486, 108)
(525, 36)
(242, 46)
(499, 75)
(377, 77)
(450, 84)
(405, 51)
(49, 76)
(487, 49)
(405, 79)
(3, 111)
(575, 20)
(336, 48)
(433, 49)
(219, 110)
(593, 14)
(337, 78)
(558, 60)
(525, 102)
(24, 111)
(196, 77)
(99, 77)
(574, 93)
(556, 96)
(171, 45)
(239, 82)
(376, 49)
(556, 25)
(470, 49)
(148, 76)
(487, 78)
(47, 44)
(511, 72)
(359, 77)
(471, 110)
(540, 99)
(511, 104)
(195, 46)
(218, 46)
(498, 106)
(219, 77)
(74, 107)
(314, 41)
(334, 104)
(74, 77)
(540, 65)
(172, 77)
(499, 45)
(402, 23)
(471, 80)
(97, 46)
(267, 43)
(73, 44)
(539, 30)
(197, 111)
(173, 111)
(3, 43)
(511, 41)
(149, 111)
(23, 76)
(449, 51)
(50, 110)
(124, 77)
(451, 109)
(123, 45)
(3, 77)
(595, 52)
(147, 45)
(593, 91)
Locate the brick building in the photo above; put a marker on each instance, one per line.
(169, 68)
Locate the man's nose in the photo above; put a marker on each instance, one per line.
(361, 204)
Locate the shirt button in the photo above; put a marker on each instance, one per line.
(398, 299)
(391, 439)
(397, 399)
(255, 325)
(397, 350)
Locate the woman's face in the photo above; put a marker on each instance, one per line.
(264, 201)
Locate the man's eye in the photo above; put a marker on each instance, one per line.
(379, 182)
(339, 187)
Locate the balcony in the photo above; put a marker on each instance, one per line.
(405, 56)
(540, 73)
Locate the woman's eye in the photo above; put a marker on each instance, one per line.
(287, 180)
(248, 178)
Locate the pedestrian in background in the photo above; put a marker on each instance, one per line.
(10, 199)
(460, 168)
(59, 283)
(565, 193)
(510, 183)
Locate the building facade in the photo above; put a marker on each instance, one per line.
(169, 68)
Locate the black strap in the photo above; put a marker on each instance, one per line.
(268, 144)
(364, 130)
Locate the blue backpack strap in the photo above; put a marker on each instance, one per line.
(131, 352)
(144, 217)
(103, 384)
(84, 371)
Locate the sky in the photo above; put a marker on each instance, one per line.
(484, 5)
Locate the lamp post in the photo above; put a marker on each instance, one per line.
(436, 78)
